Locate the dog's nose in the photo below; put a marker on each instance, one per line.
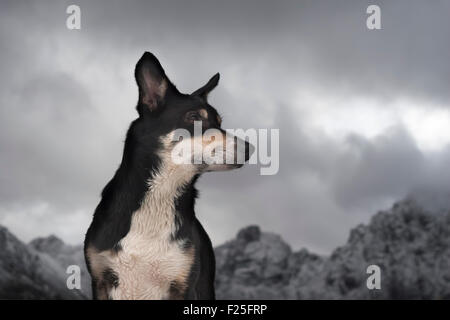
(249, 149)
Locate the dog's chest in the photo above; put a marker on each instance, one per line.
(150, 263)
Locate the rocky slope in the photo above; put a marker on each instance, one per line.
(27, 273)
(409, 244)
(65, 255)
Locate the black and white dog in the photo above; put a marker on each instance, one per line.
(144, 241)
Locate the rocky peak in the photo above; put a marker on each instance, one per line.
(410, 244)
(48, 244)
(249, 234)
(28, 274)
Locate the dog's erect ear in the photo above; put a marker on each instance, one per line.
(207, 88)
(152, 82)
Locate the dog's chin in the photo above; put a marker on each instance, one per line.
(222, 167)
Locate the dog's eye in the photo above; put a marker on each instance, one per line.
(192, 116)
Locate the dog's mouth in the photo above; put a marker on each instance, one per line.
(236, 159)
(221, 167)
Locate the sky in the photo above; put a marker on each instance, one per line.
(363, 115)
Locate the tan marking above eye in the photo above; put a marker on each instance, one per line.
(203, 113)
(219, 120)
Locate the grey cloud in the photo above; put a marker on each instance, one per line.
(322, 43)
(323, 187)
(384, 167)
(43, 150)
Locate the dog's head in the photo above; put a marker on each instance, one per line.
(183, 129)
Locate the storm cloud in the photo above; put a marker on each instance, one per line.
(364, 115)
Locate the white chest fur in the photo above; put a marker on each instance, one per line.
(150, 261)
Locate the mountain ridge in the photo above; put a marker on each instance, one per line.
(410, 245)
(26, 273)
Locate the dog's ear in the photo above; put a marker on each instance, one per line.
(152, 82)
(207, 88)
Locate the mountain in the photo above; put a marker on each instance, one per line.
(65, 255)
(410, 245)
(27, 273)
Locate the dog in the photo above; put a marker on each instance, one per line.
(145, 241)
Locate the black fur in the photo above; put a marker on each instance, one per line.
(111, 278)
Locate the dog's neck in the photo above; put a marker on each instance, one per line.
(142, 174)
(170, 179)
(168, 202)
